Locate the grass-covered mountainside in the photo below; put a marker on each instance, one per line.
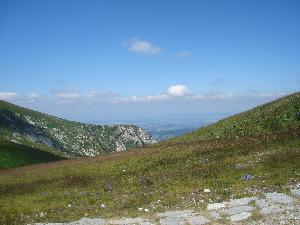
(281, 116)
(37, 130)
(244, 155)
(15, 155)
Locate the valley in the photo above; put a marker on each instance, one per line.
(63, 138)
(246, 155)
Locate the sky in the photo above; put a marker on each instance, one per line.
(118, 60)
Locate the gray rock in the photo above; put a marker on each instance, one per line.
(198, 220)
(271, 210)
(145, 223)
(247, 177)
(262, 203)
(178, 213)
(83, 221)
(130, 221)
(296, 193)
(237, 210)
(48, 224)
(215, 206)
(240, 216)
(241, 201)
(174, 217)
(280, 198)
(172, 221)
(215, 215)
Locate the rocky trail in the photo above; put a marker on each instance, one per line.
(273, 208)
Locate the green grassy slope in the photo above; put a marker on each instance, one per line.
(278, 116)
(28, 127)
(168, 175)
(15, 155)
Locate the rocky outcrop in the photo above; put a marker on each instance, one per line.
(272, 209)
(32, 128)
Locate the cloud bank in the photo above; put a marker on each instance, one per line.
(178, 92)
(7, 95)
(176, 101)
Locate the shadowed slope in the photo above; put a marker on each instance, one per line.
(15, 155)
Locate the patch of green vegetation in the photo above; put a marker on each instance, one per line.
(15, 155)
(165, 176)
(266, 120)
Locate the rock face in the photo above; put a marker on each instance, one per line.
(274, 208)
(32, 128)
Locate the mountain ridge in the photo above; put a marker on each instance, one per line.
(273, 117)
(28, 127)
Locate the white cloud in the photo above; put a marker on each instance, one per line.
(7, 95)
(147, 98)
(178, 90)
(68, 93)
(175, 93)
(33, 97)
(143, 47)
(182, 54)
(157, 97)
(101, 95)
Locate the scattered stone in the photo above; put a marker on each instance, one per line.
(214, 206)
(296, 193)
(240, 216)
(262, 203)
(215, 215)
(172, 221)
(175, 217)
(198, 220)
(241, 201)
(271, 210)
(83, 221)
(247, 177)
(145, 182)
(183, 213)
(237, 210)
(108, 187)
(280, 198)
(130, 221)
(206, 190)
(145, 223)
(276, 208)
(298, 115)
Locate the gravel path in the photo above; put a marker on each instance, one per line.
(274, 208)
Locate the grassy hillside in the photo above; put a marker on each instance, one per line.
(31, 128)
(267, 120)
(263, 143)
(15, 155)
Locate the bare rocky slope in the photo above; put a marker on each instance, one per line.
(35, 129)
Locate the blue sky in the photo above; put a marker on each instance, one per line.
(75, 58)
